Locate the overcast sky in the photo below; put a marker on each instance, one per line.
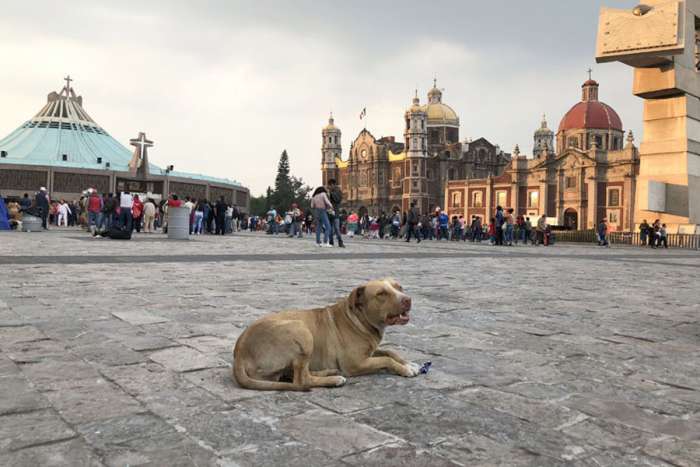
(222, 87)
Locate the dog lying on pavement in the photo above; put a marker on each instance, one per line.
(301, 349)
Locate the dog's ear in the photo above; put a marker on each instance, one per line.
(357, 298)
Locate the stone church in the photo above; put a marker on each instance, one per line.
(588, 174)
(383, 174)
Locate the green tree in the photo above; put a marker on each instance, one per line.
(283, 196)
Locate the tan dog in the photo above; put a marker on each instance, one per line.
(298, 350)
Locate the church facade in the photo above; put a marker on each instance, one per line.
(586, 172)
(63, 149)
(383, 174)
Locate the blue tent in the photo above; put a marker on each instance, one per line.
(4, 218)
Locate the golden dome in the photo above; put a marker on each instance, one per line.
(441, 114)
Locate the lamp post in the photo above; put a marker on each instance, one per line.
(166, 188)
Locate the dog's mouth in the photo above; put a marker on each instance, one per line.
(399, 319)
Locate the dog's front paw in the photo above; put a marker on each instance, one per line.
(411, 369)
(340, 380)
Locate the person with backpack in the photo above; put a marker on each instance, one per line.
(336, 197)
(499, 221)
(411, 222)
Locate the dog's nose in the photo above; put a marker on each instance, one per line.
(406, 303)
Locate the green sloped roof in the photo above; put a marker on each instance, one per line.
(63, 127)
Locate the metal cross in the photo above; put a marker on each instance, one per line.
(67, 79)
(590, 74)
(142, 143)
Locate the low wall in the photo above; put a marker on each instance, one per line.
(691, 242)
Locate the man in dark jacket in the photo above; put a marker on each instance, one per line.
(411, 221)
(42, 202)
(336, 197)
(220, 210)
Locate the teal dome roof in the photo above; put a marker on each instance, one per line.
(62, 129)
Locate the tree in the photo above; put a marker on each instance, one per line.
(288, 190)
(283, 196)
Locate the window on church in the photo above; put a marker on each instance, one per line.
(570, 183)
(614, 197)
(456, 199)
(533, 199)
(477, 199)
(451, 174)
(573, 142)
(501, 198)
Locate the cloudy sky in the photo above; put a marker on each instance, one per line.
(222, 87)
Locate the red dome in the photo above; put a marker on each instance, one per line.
(591, 115)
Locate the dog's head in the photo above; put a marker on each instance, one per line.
(383, 302)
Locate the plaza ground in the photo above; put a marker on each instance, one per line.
(119, 353)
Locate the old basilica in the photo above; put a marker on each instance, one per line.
(384, 174)
(585, 172)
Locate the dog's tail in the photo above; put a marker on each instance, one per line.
(245, 381)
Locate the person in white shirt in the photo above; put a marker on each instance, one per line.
(126, 201)
(149, 216)
(63, 213)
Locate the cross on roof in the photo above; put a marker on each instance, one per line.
(142, 143)
(68, 79)
(590, 73)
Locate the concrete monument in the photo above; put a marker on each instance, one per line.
(660, 40)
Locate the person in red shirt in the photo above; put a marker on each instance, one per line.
(174, 202)
(137, 213)
(94, 210)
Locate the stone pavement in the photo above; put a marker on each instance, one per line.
(119, 353)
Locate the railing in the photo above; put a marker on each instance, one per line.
(686, 241)
(576, 236)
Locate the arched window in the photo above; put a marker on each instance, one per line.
(451, 174)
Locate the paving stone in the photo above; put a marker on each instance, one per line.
(677, 452)
(45, 373)
(108, 353)
(16, 334)
(632, 416)
(143, 439)
(138, 318)
(163, 392)
(82, 401)
(36, 351)
(22, 430)
(73, 453)
(333, 434)
(209, 345)
(398, 455)
(145, 342)
(18, 395)
(289, 453)
(220, 382)
(7, 367)
(185, 359)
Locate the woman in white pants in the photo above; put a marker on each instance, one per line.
(63, 213)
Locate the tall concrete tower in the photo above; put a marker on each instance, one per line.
(330, 149)
(415, 169)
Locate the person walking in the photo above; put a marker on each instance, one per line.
(336, 197)
(63, 213)
(541, 229)
(663, 236)
(149, 216)
(500, 220)
(137, 213)
(508, 222)
(41, 200)
(94, 208)
(603, 233)
(643, 232)
(198, 218)
(220, 210)
(126, 202)
(320, 203)
(295, 226)
(411, 221)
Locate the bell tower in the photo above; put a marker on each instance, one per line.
(330, 149)
(416, 164)
(544, 137)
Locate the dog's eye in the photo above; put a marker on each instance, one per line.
(382, 293)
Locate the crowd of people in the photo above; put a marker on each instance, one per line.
(112, 214)
(117, 215)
